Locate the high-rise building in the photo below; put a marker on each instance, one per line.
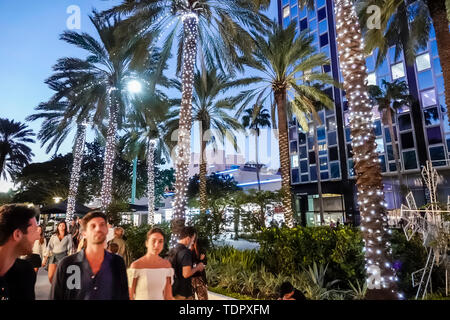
(422, 130)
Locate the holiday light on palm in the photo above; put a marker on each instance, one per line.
(371, 203)
(151, 181)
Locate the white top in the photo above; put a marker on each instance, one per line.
(39, 248)
(150, 282)
(58, 246)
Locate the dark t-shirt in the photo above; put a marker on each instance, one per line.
(182, 258)
(298, 295)
(18, 283)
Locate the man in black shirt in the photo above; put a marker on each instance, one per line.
(288, 292)
(18, 232)
(181, 259)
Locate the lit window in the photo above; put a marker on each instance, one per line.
(380, 145)
(294, 161)
(372, 79)
(397, 71)
(428, 98)
(286, 12)
(423, 62)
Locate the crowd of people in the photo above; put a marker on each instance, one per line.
(90, 261)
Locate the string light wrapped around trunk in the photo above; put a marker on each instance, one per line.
(151, 181)
(380, 274)
(76, 168)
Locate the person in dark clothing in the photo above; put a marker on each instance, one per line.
(18, 232)
(199, 282)
(93, 273)
(288, 292)
(182, 262)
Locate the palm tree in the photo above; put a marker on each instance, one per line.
(369, 181)
(390, 100)
(101, 81)
(14, 153)
(256, 118)
(406, 24)
(210, 109)
(280, 58)
(215, 25)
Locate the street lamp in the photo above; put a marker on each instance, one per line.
(134, 86)
(57, 199)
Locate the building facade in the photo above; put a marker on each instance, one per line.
(422, 130)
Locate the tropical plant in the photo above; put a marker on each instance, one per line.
(358, 291)
(390, 100)
(215, 25)
(281, 56)
(318, 288)
(254, 119)
(14, 153)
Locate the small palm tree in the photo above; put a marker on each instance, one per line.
(281, 57)
(390, 100)
(14, 153)
(255, 119)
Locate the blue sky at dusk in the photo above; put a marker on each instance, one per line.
(30, 47)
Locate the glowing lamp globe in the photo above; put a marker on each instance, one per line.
(134, 86)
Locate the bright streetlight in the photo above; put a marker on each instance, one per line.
(134, 86)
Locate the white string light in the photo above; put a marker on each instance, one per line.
(151, 181)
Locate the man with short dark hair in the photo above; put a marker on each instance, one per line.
(18, 232)
(181, 259)
(288, 292)
(93, 273)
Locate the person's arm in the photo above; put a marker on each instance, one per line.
(186, 263)
(48, 251)
(132, 289)
(69, 245)
(168, 289)
(58, 284)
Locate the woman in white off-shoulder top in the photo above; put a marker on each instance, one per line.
(151, 277)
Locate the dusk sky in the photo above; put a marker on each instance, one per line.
(30, 47)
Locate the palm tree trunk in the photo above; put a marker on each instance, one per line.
(110, 151)
(190, 25)
(202, 184)
(280, 98)
(319, 180)
(256, 157)
(2, 161)
(369, 181)
(151, 182)
(438, 14)
(75, 174)
(395, 151)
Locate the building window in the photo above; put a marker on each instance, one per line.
(312, 157)
(407, 140)
(312, 173)
(349, 150)
(390, 152)
(392, 55)
(321, 134)
(382, 163)
(310, 143)
(303, 24)
(323, 26)
(440, 84)
(304, 166)
(301, 138)
(286, 11)
(302, 152)
(294, 9)
(434, 135)
(326, 68)
(387, 134)
(321, 14)
(409, 160)
(323, 163)
(347, 134)
(431, 116)
(437, 153)
(423, 62)
(332, 138)
(294, 161)
(397, 71)
(324, 176)
(335, 171)
(380, 145)
(428, 98)
(305, 178)
(425, 79)
(372, 79)
(331, 124)
(351, 169)
(333, 153)
(295, 176)
(404, 122)
(378, 131)
(370, 64)
(383, 69)
(320, 3)
(392, 167)
(293, 146)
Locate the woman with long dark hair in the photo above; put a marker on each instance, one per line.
(59, 246)
(199, 283)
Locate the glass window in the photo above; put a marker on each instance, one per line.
(286, 11)
(370, 64)
(392, 166)
(310, 143)
(432, 33)
(332, 138)
(434, 135)
(440, 84)
(292, 133)
(382, 163)
(380, 145)
(349, 150)
(323, 163)
(428, 98)
(437, 153)
(333, 153)
(312, 173)
(321, 134)
(397, 71)
(392, 55)
(324, 176)
(431, 116)
(335, 170)
(347, 134)
(321, 14)
(423, 62)
(345, 105)
(302, 152)
(437, 66)
(409, 160)
(322, 148)
(294, 11)
(326, 68)
(320, 3)
(324, 39)
(304, 166)
(351, 169)
(294, 161)
(372, 79)
(305, 178)
(293, 146)
(326, 51)
(448, 142)
(295, 176)
(434, 49)
(285, 2)
(311, 14)
(331, 124)
(383, 69)
(303, 24)
(407, 140)
(301, 138)
(387, 134)
(323, 26)
(425, 79)
(312, 157)
(390, 152)
(404, 122)
(378, 131)
(302, 12)
(286, 22)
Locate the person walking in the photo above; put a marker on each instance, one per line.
(151, 277)
(199, 282)
(123, 248)
(18, 233)
(38, 251)
(93, 273)
(59, 246)
(181, 260)
(75, 231)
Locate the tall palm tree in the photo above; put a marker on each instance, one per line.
(406, 24)
(217, 26)
(369, 181)
(390, 100)
(101, 81)
(280, 58)
(14, 153)
(256, 118)
(212, 110)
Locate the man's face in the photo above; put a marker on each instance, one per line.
(25, 244)
(96, 231)
(191, 243)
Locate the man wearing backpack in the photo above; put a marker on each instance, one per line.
(181, 259)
